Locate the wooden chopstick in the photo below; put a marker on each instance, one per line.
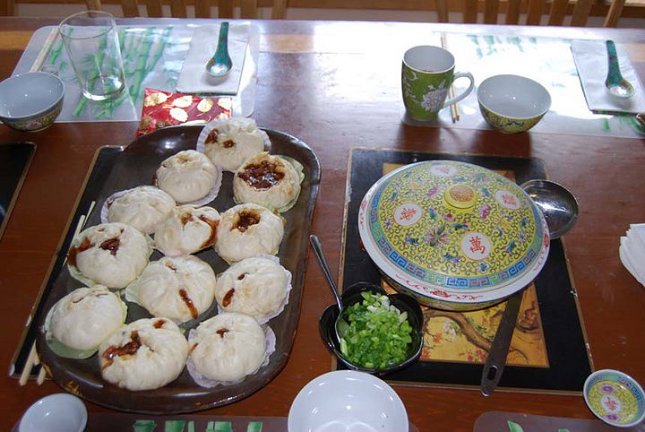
(454, 109)
(32, 359)
(29, 365)
(40, 59)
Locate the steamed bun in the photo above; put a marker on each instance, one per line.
(179, 288)
(187, 176)
(247, 230)
(143, 207)
(144, 355)
(268, 180)
(111, 254)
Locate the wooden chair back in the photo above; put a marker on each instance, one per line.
(530, 12)
(179, 8)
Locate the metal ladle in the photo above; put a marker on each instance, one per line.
(615, 83)
(558, 205)
(220, 64)
(560, 210)
(340, 325)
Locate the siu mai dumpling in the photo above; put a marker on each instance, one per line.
(247, 230)
(256, 286)
(179, 288)
(144, 355)
(187, 230)
(226, 348)
(229, 142)
(143, 207)
(189, 177)
(79, 322)
(111, 254)
(268, 180)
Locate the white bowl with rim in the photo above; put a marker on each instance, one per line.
(30, 102)
(512, 103)
(347, 400)
(59, 412)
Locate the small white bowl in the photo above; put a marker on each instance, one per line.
(60, 412)
(30, 102)
(615, 398)
(512, 103)
(347, 400)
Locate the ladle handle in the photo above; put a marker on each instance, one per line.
(322, 261)
(498, 352)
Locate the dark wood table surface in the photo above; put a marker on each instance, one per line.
(321, 81)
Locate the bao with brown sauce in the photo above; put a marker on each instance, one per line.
(257, 286)
(111, 254)
(187, 230)
(269, 180)
(144, 355)
(229, 142)
(179, 288)
(247, 230)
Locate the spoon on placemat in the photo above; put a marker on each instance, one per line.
(340, 326)
(615, 83)
(220, 64)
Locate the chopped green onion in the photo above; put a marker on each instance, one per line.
(378, 335)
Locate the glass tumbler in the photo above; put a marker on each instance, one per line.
(92, 44)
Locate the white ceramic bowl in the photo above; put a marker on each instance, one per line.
(512, 103)
(347, 401)
(31, 101)
(615, 398)
(60, 412)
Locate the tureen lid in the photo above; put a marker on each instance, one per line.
(453, 231)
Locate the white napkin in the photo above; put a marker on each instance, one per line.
(632, 251)
(193, 77)
(591, 61)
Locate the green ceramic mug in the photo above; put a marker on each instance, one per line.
(426, 76)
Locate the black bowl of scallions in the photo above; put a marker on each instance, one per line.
(385, 332)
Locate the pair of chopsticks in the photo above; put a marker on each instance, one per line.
(454, 109)
(33, 360)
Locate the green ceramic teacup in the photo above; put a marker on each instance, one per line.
(427, 73)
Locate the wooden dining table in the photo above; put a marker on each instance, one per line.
(336, 86)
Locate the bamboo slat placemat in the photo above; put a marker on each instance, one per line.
(153, 57)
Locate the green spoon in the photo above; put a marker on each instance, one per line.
(615, 83)
(220, 64)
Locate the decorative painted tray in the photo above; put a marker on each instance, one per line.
(120, 168)
(454, 235)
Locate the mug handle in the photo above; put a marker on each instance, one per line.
(465, 93)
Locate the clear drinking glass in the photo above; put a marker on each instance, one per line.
(92, 44)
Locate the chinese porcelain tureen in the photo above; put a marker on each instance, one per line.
(454, 235)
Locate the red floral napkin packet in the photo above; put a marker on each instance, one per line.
(164, 108)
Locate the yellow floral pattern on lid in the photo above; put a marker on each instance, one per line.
(457, 225)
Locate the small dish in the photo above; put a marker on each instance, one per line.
(615, 398)
(347, 400)
(512, 103)
(60, 412)
(30, 102)
(353, 295)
